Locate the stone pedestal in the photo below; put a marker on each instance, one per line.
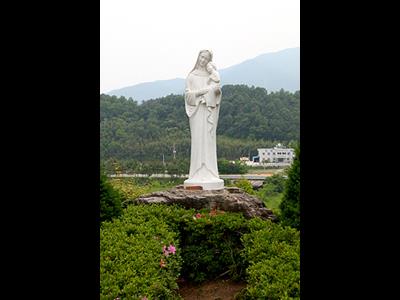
(230, 199)
(207, 185)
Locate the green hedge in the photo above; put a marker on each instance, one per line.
(132, 262)
(207, 244)
(273, 254)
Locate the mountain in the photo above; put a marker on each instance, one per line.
(272, 71)
(151, 90)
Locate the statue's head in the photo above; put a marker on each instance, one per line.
(205, 56)
(211, 67)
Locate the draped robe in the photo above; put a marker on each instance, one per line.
(203, 122)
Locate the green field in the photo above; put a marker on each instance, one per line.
(260, 170)
(273, 202)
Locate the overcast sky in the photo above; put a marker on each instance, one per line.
(147, 40)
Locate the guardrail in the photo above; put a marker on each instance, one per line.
(230, 176)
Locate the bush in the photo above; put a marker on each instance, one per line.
(110, 199)
(275, 278)
(133, 263)
(273, 254)
(208, 244)
(211, 245)
(290, 205)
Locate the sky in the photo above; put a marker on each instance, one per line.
(148, 40)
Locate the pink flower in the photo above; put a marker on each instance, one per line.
(171, 249)
(144, 298)
(198, 215)
(165, 251)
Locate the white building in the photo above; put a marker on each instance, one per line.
(278, 154)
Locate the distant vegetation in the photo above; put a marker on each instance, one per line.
(250, 118)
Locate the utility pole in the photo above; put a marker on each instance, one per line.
(163, 160)
(174, 151)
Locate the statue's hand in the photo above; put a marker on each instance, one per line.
(200, 101)
(202, 92)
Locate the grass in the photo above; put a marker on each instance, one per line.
(132, 188)
(273, 202)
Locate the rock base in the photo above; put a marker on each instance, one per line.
(230, 199)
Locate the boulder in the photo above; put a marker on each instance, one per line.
(230, 199)
(256, 184)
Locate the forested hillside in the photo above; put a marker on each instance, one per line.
(250, 118)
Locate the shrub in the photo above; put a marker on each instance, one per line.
(133, 263)
(209, 241)
(273, 254)
(275, 278)
(259, 244)
(211, 245)
(110, 199)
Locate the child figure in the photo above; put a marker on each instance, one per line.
(213, 97)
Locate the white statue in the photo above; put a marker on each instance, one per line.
(202, 103)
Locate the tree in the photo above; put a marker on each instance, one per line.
(290, 205)
(227, 167)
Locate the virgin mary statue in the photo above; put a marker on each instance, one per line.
(202, 103)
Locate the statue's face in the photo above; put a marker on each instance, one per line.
(209, 68)
(204, 59)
